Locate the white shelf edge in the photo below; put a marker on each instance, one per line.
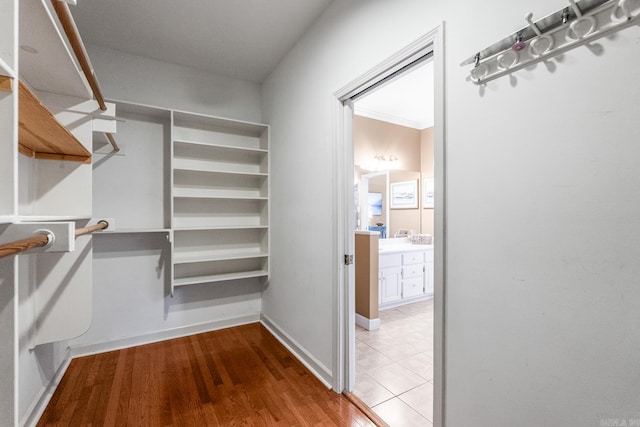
(259, 198)
(39, 218)
(193, 260)
(240, 123)
(135, 231)
(221, 227)
(219, 278)
(7, 219)
(229, 147)
(195, 169)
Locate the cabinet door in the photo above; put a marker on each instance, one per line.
(428, 277)
(390, 285)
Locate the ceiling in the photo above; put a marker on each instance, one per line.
(244, 39)
(406, 101)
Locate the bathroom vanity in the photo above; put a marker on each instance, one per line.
(405, 272)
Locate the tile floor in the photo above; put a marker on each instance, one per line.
(394, 365)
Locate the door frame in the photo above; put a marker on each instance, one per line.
(344, 291)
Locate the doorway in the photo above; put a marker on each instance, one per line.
(429, 46)
(393, 135)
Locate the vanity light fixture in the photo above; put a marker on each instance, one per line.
(381, 163)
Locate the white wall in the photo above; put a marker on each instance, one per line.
(542, 319)
(127, 77)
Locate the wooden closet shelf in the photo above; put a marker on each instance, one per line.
(6, 84)
(42, 136)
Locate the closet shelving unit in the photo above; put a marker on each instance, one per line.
(202, 180)
(220, 199)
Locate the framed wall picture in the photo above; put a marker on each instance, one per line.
(404, 195)
(429, 191)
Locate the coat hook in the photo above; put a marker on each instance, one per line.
(543, 44)
(622, 5)
(565, 15)
(582, 26)
(476, 60)
(529, 18)
(575, 8)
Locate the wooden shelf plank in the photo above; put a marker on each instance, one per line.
(6, 84)
(43, 134)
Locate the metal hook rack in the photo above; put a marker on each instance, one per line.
(576, 25)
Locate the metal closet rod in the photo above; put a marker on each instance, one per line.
(41, 240)
(70, 29)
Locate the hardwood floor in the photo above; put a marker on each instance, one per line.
(240, 376)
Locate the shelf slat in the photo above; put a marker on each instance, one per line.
(221, 146)
(42, 134)
(194, 195)
(220, 227)
(219, 277)
(187, 259)
(183, 167)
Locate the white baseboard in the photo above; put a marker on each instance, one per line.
(35, 411)
(368, 324)
(314, 365)
(183, 331)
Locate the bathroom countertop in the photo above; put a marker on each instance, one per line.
(403, 247)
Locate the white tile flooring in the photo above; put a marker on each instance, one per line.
(394, 365)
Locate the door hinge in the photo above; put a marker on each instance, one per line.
(348, 259)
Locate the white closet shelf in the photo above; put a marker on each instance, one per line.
(219, 277)
(135, 231)
(221, 227)
(214, 170)
(204, 195)
(179, 258)
(221, 146)
(184, 118)
(6, 219)
(40, 218)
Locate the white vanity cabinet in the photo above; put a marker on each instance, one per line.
(405, 275)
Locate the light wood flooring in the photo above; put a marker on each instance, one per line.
(240, 376)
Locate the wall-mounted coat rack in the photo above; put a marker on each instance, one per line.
(573, 26)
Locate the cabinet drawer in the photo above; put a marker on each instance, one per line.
(390, 260)
(413, 258)
(412, 270)
(412, 287)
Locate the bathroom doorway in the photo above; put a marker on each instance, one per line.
(393, 164)
(429, 46)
